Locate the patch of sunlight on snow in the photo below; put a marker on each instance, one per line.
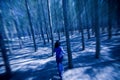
(2, 69)
(31, 64)
(24, 50)
(30, 78)
(43, 50)
(105, 74)
(104, 49)
(89, 50)
(105, 58)
(75, 54)
(21, 61)
(76, 74)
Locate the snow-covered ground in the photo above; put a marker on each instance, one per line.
(29, 65)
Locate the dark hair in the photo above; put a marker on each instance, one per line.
(57, 44)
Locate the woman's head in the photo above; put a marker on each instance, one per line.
(57, 44)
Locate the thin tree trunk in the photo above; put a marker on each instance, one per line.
(40, 23)
(42, 34)
(92, 16)
(109, 20)
(45, 23)
(50, 24)
(86, 17)
(31, 27)
(4, 55)
(82, 37)
(97, 30)
(70, 65)
(80, 24)
(118, 15)
(3, 48)
(56, 18)
(18, 35)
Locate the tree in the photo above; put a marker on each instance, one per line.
(118, 14)
(109, 19)
(40, 22)
(31, 27)
(56, 21)
(44, 19)
(3, 48)
(78, 13)
(64, 2)
(97, 29)
(86, 18)
(50, 25)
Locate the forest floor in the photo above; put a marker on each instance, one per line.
(29, 65)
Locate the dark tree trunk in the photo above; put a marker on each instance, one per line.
(70, 65)
(45, 23)
(78, 12)
(29, 33)
(3, 48)
(109, 19)
(56, 22)
(50, 25)
(86, 18)
(31, 27)
(82, 37)
(4, 55)
(97, 30)
(92, 16)
(18, 34)
(118, 15)
(40, 22)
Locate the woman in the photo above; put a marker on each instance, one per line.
(59, 57)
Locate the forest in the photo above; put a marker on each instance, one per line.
(87, 30)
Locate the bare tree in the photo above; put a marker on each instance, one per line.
(50, 25)
(78, 13)
(65, 5)
(31, 27)
(40, 22)
(97, 29)
(3, 47)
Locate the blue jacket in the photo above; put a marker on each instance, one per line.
(59, 54)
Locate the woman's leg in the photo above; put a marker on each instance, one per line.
(61, 69)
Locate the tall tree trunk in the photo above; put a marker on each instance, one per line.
(64, 2)
(82, 37)
(86, 18)
(40, 22)
(87, 26)
(4, 55)
(78, 13)
(29, 33)
(3, 48)
(45, 23)
(42, 33)
(97, 30)
(109, 20)
(92, 16)
(31, 27)
(18, 35)
(118, 15)
(56, 22)
(50, 25)
(39, 36)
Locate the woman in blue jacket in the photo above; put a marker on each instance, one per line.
(59, 57)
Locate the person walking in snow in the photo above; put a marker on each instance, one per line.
(59, 57)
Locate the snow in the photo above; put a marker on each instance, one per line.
(29, 65)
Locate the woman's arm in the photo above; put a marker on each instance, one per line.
(63, 50)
